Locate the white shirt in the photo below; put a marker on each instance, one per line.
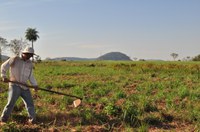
(20, 71)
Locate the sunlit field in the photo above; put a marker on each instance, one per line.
(117, 96)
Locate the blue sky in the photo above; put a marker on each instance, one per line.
(145, 29)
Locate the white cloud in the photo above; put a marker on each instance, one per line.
(8, 25)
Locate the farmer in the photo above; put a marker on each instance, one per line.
(20, 70)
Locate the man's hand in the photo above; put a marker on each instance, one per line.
(35, 95)
(35, 88)
(4, 79)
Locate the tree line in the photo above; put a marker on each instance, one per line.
(16, 45)
(188, 58)
(31, 34)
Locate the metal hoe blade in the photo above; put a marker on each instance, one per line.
(76, 103)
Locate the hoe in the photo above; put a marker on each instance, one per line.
(76, 102)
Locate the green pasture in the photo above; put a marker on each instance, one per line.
(117, 96)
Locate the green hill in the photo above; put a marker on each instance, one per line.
(114, 56)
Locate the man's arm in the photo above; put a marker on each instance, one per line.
(4, 68)
(33, 80)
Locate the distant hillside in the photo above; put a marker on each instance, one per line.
(4, 57)
(108, 56)
(114, 56)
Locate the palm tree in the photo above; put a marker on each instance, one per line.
(31, 35)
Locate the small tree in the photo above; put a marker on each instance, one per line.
(174, 55)
(135, 58)
(38, 58)
(3, 44)
(188, 58)
(16, 46)
(196, 58)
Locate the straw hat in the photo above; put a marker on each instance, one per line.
(29, 50)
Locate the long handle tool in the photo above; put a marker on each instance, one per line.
(76, 102)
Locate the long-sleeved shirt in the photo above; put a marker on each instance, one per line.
(19, 70)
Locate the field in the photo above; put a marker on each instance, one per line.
(117, 96)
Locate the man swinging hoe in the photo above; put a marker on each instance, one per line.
(20, 70)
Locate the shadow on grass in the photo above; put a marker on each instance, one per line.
(58, 119)
(155, 122)
(90, 118)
